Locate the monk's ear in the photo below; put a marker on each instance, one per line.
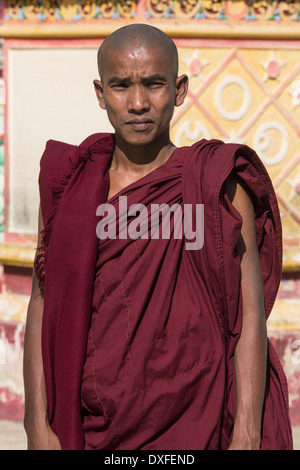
(181, 84)
(99, 93)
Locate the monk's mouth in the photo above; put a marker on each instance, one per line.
(140, 124)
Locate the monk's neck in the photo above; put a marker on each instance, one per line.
(140, 159)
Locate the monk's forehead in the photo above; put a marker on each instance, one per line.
(135, 52)
(135, 61)
(135, 43)
(134, 38)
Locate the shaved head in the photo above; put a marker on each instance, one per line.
(137, 36)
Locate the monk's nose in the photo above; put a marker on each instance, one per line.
(138, 101)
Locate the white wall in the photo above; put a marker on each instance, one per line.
(50, 96)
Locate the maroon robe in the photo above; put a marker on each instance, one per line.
(139, 335)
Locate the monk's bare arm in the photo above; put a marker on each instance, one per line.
(251, 350)
(39, 434)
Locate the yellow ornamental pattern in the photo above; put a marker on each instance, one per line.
(249, 92)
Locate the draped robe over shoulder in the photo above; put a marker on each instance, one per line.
(139, 334)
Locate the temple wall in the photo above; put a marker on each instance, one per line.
(242, 58)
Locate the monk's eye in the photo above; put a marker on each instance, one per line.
(154, 84)
(120, 86)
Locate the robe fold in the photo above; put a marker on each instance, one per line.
(139, 332)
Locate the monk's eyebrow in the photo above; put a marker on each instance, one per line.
(157, 77)
(116, 80)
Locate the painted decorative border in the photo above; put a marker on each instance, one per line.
(74, 19)
(220, 10)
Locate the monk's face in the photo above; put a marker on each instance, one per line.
(139, 91)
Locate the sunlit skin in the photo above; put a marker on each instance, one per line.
(139, 92)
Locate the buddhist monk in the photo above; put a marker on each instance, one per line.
(146, 335)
